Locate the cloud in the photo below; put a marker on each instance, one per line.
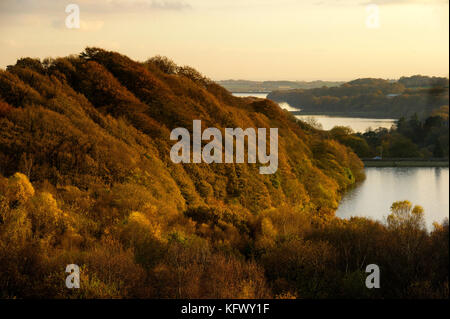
(90, 6)
(92, 13)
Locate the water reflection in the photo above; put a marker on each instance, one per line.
(356, 123)
(425, 186)
(328, 122)
(260, 95)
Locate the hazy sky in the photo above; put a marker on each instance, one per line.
(242, 39)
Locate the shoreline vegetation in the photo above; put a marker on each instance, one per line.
(405, 162)
(384, 162)
(370, 97)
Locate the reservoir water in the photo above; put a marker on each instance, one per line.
(328, 122)
(424, 186)
(356, 123)
(260, 95)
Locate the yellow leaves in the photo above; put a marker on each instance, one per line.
(31, 212)
(140, 223)
(401, 207)
(19, 188)
(286, 220)
(46, 217)
(139, 219)
(267, 228)
(139, 228)
(437, 227)
(15, 227)
(404, 215)
(48, 201)
(418, 211)
(268, 234)
(130, 197)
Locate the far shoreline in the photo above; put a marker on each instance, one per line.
(405, 162)
(345, 114)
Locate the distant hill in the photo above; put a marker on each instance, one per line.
(237, 86)
(371, 97)
(418, 81)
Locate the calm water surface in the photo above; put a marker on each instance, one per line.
(328, 122)
(356, 123)
(260, 95)
(425, 186)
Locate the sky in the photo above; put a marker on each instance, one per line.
(243, 39)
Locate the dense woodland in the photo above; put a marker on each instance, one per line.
(371, 97)
(86, 179)
(408, 138)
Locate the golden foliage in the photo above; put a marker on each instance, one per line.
(92, 134)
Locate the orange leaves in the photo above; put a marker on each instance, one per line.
(97, 128)
(15, 92)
